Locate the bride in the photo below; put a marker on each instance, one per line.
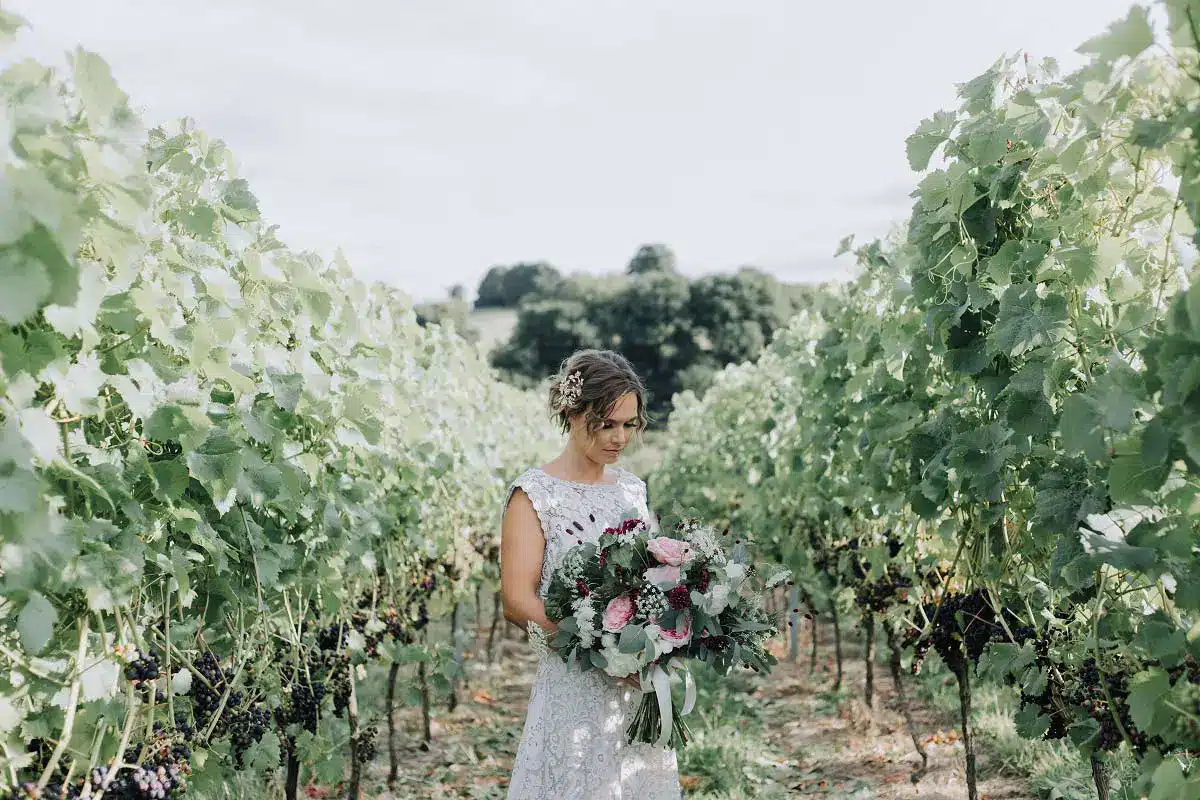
(573, 746)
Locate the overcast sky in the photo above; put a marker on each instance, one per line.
(434, 139)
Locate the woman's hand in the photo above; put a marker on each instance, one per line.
(632, 681)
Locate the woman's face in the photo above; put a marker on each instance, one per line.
(607, 444)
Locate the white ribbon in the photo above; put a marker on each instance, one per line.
(660, 684)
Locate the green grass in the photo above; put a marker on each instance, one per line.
(1055, 769)
(727, 740)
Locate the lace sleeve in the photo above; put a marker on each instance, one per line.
(538, 494)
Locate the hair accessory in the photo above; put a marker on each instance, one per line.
(570, 389)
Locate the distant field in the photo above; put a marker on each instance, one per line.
(495, 326)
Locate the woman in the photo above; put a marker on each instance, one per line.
(573, 746)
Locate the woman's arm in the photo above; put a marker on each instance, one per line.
(522, 547)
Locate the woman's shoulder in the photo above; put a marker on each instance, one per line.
(627, 476)
(631, 481)
(533, 478)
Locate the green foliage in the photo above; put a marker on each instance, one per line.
(1007, 397)
(214, 451)
(652, 258)
(677, 332)
(453, 313)
(507, 287)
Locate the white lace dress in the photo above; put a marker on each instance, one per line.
(573, 746)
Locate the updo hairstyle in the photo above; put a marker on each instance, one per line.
(591, 382)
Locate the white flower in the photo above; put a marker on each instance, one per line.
(704, 539)
(572, 565)
(736, 573)
(585, 618)
(620, 664)
(714, 601)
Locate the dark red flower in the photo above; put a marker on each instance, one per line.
(630, 525)
(679, 597)
(703, 587)
(582, 588)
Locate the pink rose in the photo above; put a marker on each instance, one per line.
(670, 551)
(618, 613)
(663, 577)
(682, 632)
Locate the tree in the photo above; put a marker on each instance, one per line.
(506, 287)
(491, 289)
(547, 332)
(677, 333)
(649, 323)
(652, 258)
(736, 315)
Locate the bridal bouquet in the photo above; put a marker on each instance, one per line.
(636, 604)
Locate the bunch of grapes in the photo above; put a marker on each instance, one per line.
(1091, 697)
(143, 668)
(962, 627)
(893, 544)
(879, 595)
(54, 791)
(304, 705)
(149, 782)
(1046, 706)
(339, 682)
(207, 688)
(332, 637)
(395, 626)
(364, 744)
(422, 616)
(246, 728)
(161, 771)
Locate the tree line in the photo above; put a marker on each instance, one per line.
(677, 331)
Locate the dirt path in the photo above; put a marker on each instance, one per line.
(839, 747)
(797, 739)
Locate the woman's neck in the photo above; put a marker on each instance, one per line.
(573, 465)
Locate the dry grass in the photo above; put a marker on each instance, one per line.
(784, 736)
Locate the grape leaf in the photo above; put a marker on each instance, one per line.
(1128, 37)
(26, 286)
(1027, 321)
(928, 137)
(1130, 479)
(35, 623)
(1031, 723)
(1147, 691)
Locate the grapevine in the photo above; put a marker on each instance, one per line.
(210, 460)
(982, 441)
